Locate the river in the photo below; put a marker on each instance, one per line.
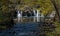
(22, 29)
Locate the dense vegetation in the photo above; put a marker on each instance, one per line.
(46, 6)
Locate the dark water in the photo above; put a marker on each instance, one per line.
(22, 29)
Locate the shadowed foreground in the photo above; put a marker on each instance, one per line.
(22, 29)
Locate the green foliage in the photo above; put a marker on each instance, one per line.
(4, 10)
(45, 5)
(57, 30)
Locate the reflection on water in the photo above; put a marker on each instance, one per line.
(35, 18)
(18, 16)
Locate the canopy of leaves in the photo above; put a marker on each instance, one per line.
(45, 5)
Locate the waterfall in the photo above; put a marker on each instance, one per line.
(34, 15)
(37, 15)
(18, 16)
(34, 12)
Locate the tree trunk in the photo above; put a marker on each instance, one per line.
(56, 8)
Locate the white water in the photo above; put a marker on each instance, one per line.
(34, 15)
(18, 16)
(37, 16)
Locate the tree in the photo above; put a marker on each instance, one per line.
(56, 6)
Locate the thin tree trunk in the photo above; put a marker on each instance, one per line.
(56, 8)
